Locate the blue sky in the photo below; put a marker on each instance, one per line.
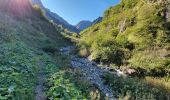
(74, 11)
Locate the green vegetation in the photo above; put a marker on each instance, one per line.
(134, 33)
(133, 88)
(18, 67)
(18, 71)
(65, 83)
(26, 41)
(62, 88)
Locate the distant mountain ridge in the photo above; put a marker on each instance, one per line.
(60, 21)
(98, 20)
(56, 18)
(85, 24)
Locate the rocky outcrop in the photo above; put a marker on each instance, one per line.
(122, 26)
(168, 13)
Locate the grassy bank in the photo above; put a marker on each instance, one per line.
(148, 88)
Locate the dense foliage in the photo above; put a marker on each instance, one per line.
(63, 82)
(28, 45)
(63, 88)
(134, 33)
(18, 69)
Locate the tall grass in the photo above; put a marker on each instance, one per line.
(139, 89)
(162, 84)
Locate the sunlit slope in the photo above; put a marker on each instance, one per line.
(20, 20)
(17, 7)
(24, 34)
(135, 33)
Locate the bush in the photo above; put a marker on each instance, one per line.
(38, 9)
(151, 61)
(84, 52)
(106, 49)
(128, 4)
(62, 88)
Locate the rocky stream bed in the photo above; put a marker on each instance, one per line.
(91, 71)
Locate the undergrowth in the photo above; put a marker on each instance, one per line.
(138, 89)
(18, 68)
(63, 82)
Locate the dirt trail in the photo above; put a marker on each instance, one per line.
(40, 94)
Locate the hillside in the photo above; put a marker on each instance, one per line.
(18, 18)
(131, 34)
(32, 66)
(124, 55)
(27, 41)
(133, 37)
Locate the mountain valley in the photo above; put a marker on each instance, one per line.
(123, 55)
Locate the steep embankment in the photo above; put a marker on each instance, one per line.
(25, 23)
(135, 33)
(24, 36)
(31, 67)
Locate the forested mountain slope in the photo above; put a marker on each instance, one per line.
(23, 22)
(135, 33)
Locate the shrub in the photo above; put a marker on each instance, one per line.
(38, 9)
(127, 4)
(84, 52)
(62, 88)
(151, 61)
